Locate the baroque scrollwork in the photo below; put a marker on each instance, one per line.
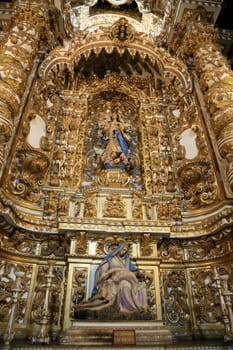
(137, 207)
(209, 247)
(50, 203)
(204, 288)
(176, 306)
(171, 250)
(112, 148)
(27, 174)
(148, 277)
(146, 245)
(81, 243)
(198, 183)
(90, 209)
(18, 242)
(78, 288)
(56, 246)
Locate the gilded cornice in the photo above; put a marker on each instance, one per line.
(38, 247)
(193, 224)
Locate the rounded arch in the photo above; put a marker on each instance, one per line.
(168, 67)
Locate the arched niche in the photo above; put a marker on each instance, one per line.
(99, 64)
(105, 50)
(106, 97)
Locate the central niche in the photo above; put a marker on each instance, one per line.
(112, 142)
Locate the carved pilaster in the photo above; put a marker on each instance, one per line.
(216, 83)
(146, 152)
(17, 54)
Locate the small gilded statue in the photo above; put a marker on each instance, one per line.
(113, 150)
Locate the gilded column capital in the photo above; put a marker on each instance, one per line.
(40, 18)
(33, 14)
(198, 35)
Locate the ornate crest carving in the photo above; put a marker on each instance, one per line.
(122, 32)
(114, 206)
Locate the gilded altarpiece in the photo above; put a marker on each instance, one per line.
(110, 154)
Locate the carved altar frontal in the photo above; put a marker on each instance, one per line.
(102, 333)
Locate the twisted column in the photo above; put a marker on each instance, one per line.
(17, 54)
(216, 82)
